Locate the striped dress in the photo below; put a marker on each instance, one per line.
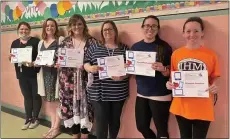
(106, 89)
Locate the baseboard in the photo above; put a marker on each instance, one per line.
(45, 122)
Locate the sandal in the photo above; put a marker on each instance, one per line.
(53, 133)
(45, 134)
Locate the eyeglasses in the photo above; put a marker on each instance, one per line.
(107, 29)
(150, 27)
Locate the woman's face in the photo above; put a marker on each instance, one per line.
(77, 28)
(108, 32)
(23, 31)
(50, 28)
(150, 28)
(193, 32)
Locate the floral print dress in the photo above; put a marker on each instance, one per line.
(75, 107)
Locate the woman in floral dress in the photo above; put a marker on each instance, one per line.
(75, 108)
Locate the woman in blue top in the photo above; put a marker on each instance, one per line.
(153, 99)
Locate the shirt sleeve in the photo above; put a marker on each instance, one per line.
(88, 57)
(173, 62)
(133, 47)
(215, 69)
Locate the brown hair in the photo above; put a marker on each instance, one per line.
(115, 29)
(44, 35)
(73, 19)
(24, 23)
(194, 19)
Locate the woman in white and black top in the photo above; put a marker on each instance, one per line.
(107, 95)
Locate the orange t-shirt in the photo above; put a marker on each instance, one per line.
(184, 59)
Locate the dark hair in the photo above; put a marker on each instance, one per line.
(155, 18)
(115, 29)
(44, 35)
(73, 19)
(194, 19)
(162, 46)
(24, 23)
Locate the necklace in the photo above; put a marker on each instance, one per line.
(112, 49)
(74, 43)
(109, 52)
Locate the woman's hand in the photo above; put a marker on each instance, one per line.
(158, 67)
(170, 85)
(36, 65)
(10, 56)
(28, 64)
(56, 65)
(50, 65)
(213, 88)
(95, 68)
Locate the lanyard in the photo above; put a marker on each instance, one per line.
(109, 52)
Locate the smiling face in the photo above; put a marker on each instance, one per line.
(193, 33)
(77, 28)
(23, 31)
(150, 28)
(108, 32)
(50, 28)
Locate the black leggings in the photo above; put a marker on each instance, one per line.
(196, 129)
(107, 116)
(158, 110)
(32, 100)
(76, 129)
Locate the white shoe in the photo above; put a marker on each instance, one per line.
(34, 124)
(26, 125)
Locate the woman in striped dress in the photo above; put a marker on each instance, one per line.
(107, 95)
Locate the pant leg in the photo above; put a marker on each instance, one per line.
(185, 126)
(114, 118)
(37, 101)
(76, 129)
(143, 117)
(200, 129)
(160, 114)
(28, 98)
(101, 111)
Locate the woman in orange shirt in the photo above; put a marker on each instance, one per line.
(194, 114)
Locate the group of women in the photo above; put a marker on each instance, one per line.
(83, 100)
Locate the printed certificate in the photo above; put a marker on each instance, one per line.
(190, 83)
(19, 55)
(70, 57)
(140, 63)
(111, 66)
(45, 57)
